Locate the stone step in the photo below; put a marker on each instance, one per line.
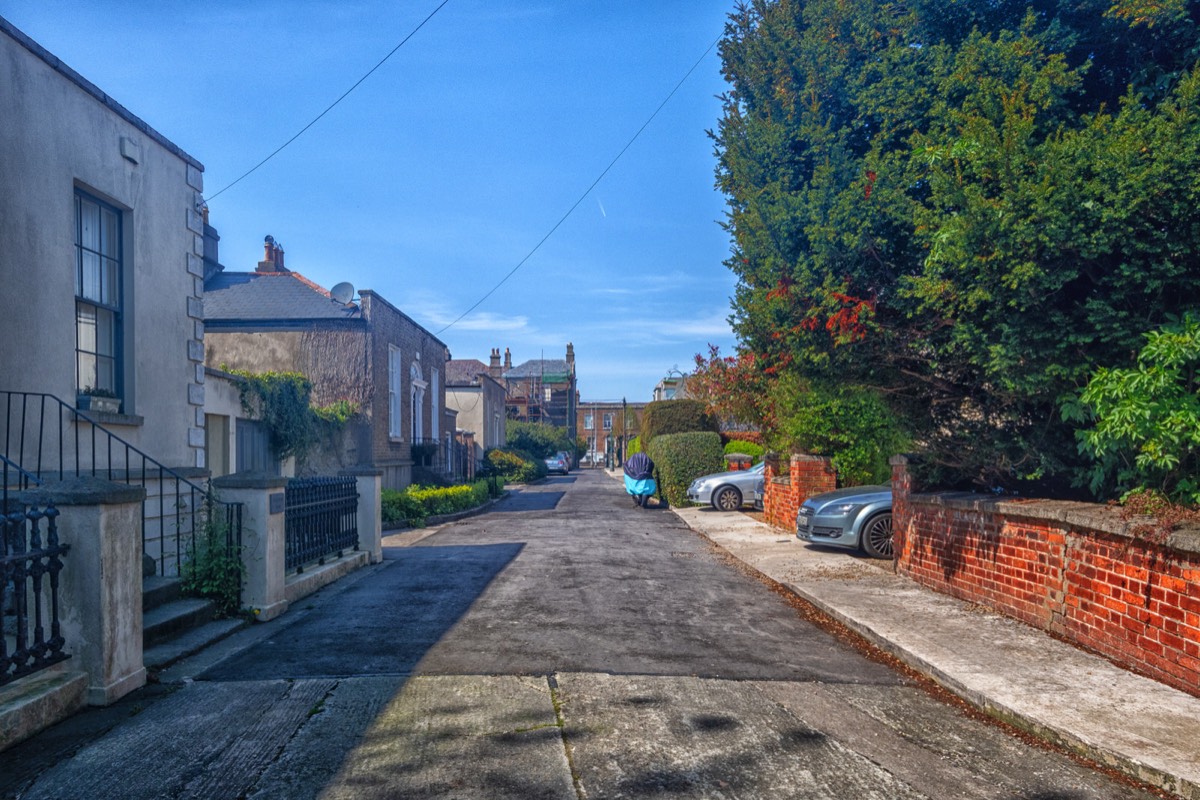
(190, 642)
(157, 591)
(169, 619)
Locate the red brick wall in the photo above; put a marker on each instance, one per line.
(807, 476)
(1074, 569)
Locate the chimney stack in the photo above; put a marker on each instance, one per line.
(272, 256)
(507, 360)
(494, 365)
(571, 357)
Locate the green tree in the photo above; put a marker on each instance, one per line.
(539, 439)
(961, 209)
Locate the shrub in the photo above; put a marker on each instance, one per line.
(537, 439)
(514, 465)
(664, 417)
(634, 446)
(680, 458)
(415, 504)
(1147, 418)
(755, 451)
(213, 569)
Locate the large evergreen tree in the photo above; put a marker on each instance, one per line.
(962, 206)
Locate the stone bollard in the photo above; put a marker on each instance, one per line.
(100, 589)
(264, 553)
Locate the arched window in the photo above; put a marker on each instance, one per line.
(417, 404)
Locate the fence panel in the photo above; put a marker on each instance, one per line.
(29, 568)
(320, 520)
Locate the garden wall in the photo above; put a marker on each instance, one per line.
(1074, 569)
(785, 493)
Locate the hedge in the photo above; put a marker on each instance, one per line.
(417, 503)
(680, 458)
(664, 417)
(755, 451)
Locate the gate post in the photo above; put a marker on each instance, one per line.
(264, 545)
(370, 511)
(101, 583)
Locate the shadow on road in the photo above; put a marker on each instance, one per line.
(367, 630)
(529, 501)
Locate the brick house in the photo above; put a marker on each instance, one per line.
(605, 425)
(369, 353)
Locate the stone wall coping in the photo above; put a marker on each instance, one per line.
(802, 457)
(1076, 514)
(782, 480)
(82, 491)
(361, 471)
(250, 480)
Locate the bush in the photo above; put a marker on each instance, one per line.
(680, 458)
(537, 439)
(417, 503)
(634, 446)
(664, 417)
(1147, 418)
(514, 465)
(755, 451)
(753, 437)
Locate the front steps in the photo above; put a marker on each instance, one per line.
(175, 627)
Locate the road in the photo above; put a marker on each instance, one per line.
(563, 645)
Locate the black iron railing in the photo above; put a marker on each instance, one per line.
(30, 562)
(50, 439)
(320, 520)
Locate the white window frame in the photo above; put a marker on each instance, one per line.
(436, 409)
(589, 420)
(417, 398)
(395, 392)
(608, 420)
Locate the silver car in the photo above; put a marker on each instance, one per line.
(726, 491)
(859, 517)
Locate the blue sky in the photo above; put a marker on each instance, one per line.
(445, 168)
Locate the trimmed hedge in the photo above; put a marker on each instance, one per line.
(681, 458)
(663, 417)
(634, 446)
(415, 504)
(746, 448)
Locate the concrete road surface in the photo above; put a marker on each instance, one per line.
(563, 645)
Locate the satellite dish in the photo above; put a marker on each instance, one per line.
(343, 293)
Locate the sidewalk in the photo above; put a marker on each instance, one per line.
(1012, 671)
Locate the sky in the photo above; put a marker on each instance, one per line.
(443, 170)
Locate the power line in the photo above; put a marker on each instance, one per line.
(331, 105)
(586, 192)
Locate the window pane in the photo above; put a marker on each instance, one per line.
(106, 374)
(109, 289)
(86, 368)
(89, 225)
(91, 276)
(106, 332)
(85, 325)
(110, 234)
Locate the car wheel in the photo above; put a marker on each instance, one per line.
(727, 498)
(877, 536)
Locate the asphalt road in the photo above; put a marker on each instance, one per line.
(563, 645)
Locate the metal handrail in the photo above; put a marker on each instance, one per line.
(30, 413)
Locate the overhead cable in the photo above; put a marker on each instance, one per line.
(586, 191)
(331, 105)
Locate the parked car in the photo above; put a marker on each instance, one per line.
(726, 491)
(760, 494)
(556, 463)
(566, 458)
(857, 518)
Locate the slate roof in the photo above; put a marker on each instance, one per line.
(461, 371)
(551, 370)
(270, 297)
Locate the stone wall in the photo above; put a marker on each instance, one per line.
(1074, 569)
(785, 493)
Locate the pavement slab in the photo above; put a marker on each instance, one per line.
(639, 736)
(1019, 674)
(461, 737)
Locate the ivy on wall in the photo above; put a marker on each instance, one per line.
(282, 401)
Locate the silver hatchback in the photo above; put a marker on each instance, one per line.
(726, 491)
(859, 517)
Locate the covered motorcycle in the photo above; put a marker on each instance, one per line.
(639, 478)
